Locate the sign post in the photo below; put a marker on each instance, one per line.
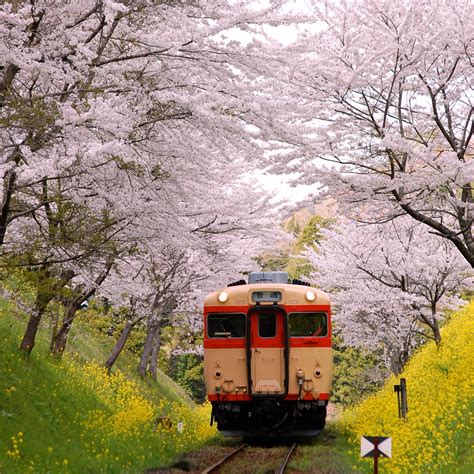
(401, 391)
(375, 447)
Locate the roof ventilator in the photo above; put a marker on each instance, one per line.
(300, 282)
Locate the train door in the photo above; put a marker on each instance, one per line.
(267, 352)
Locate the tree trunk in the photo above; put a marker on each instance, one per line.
(59, 342)
(45, 292)
(116, 351)
(396, 364)
(155, 351)
(55, 321)
(431, 323)
(436, 333)
(147, 349)
(8, 76)
(10, 178)
(41, 303)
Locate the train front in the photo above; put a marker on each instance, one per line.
(267, 356)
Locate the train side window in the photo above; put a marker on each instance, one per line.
(225, 325)
(267, 325)
(308, 324)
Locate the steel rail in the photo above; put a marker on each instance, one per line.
(282, 467)
(223, 460)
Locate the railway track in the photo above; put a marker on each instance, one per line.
(282, 467)
(232, 455)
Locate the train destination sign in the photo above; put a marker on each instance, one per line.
(266, 296)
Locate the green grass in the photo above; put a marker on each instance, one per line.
(88, 345)
(67, 415)
(326, 453)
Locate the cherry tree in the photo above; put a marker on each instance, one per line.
(172, 278)
(390, 283)
(382, 92)
(124, 114)
(136, 85)
(65, 237)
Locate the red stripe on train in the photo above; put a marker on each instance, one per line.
(308, 342)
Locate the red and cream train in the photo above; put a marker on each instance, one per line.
(267, 356)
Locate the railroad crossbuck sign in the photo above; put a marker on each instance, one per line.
(368, 444)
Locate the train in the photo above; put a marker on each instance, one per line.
(267, 356)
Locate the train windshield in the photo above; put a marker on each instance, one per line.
(308, 324)
(226, 325)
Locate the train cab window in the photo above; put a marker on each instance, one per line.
(308, 324)
(226, 325)
(267, 325)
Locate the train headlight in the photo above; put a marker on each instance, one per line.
(222, 297)
(310, 296)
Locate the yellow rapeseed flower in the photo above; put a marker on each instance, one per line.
(440, 385)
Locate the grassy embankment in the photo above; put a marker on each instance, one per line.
(69, 415)
(437, 437)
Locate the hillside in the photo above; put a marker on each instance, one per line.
(69, 415)
(438, 434)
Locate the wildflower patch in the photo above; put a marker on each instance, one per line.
(436, 435)
(126, 415)
(64, 415)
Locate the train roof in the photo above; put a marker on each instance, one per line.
(290, 294)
